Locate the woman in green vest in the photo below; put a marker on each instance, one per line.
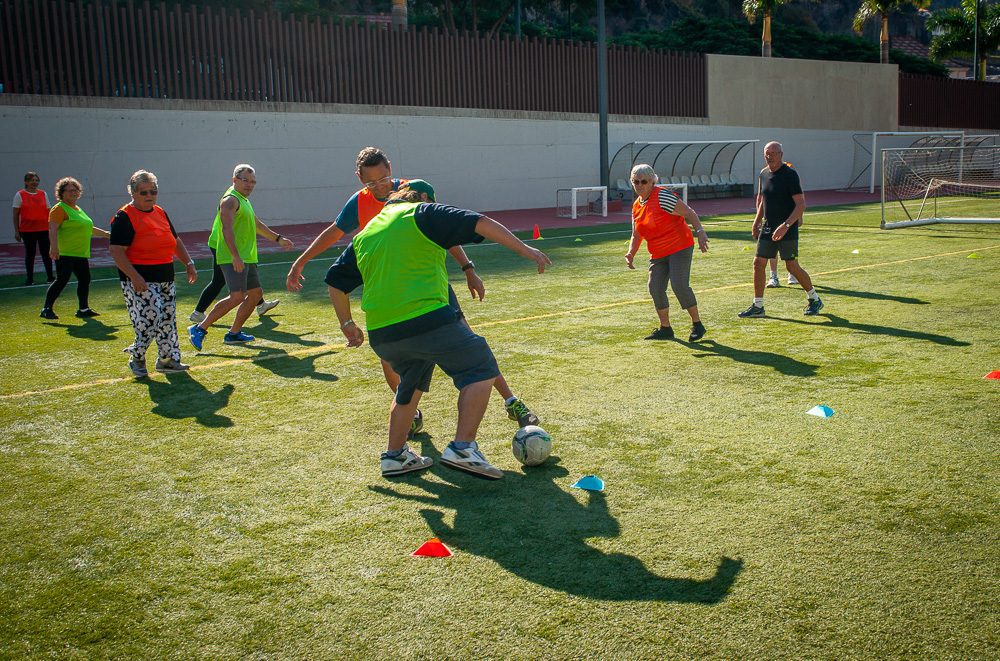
(70, 230)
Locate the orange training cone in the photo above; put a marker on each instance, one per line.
(995, 374)
(536, 234)
(432, 548)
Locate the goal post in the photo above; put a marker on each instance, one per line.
(582, 201)
(933, 185)
(865, 167)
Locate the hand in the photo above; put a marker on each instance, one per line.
(294, 279)
(475, 283)
(702, 241)
(355, 336)
(192, 274)
(539, 258)
(238, 264)
(53, 252)
(17, 236)
(628, 260)
(139, 284)
(779, 232)
(755, 231)
(286, 243)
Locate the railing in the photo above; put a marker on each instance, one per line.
(146, 50)
(948, 103)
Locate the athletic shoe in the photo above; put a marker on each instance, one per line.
(29, 282)
(661, 333)
(197, 317)
(50, 278)
(518, 410)
(138, 368)
(773, 281)
(752, 311)
(813, 307)
(697, 332)
(264, 306)
(237, 338)
(197, 335)
(404, 463)
(417, 425)
(470, 460)
(47, 313)
(170, 365)
(87, 312)
(792, 280)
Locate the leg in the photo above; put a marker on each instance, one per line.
(400, 419)
(793, 267)
(30, 243)
(501, 383)
(758, 276)
(680, 281)
(82, 271)
(165, 330)
(659, 274)
(391, 378)
(63, 271)
(222, 308)
(472, 402)
(142, 315)
(245, 309)
(212, 289)
(43, 248)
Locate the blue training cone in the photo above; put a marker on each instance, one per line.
(821, 411)
(589, 483)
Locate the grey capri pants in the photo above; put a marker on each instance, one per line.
(675, 267)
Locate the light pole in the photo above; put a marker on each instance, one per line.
(602, 94)
(975, 45)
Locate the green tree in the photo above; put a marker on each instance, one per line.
(957, 29)
(871, 8)
(753, 8)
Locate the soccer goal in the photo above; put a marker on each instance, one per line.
(582, 201)
(925, 186)
(867, 151)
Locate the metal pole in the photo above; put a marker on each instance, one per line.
(975, 45)
(517, 20)
(602, 94)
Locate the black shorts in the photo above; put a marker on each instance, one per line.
(787, 248)
(453, 302)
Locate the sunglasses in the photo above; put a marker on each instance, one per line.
(147, 193)
(640, 182)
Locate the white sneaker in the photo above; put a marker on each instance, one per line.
(773, 280)
(470, 460)
(171, 365)
(792, 280)
(404, 463)
(264, 306)
(197, 317)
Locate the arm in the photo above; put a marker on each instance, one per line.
(266, 231)
(125, 266)
(342, 306)
(323, 242)
(633, 247)
(17, 224)
(794, 217)
(103, 233)
(227, 215)
(691, 216)
(474, 282)
(56, 217)
(758, 220)
(494, 231)
(182, 254)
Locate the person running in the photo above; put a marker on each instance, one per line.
(374, 170)
(237, 226)
(780, 205)
(31, 225)
(70, 231)
(399, 258)
(658, 217)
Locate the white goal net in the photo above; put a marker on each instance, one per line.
(924, 186)
(866, 166)
(582, 201)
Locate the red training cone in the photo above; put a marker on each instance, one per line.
(995, 374)
(536, 234)
(432, 548)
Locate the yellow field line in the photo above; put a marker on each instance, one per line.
(485, 324)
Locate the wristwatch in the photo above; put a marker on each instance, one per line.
(468, 266)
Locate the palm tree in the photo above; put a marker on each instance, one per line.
(955, 28)
(872, 8)
(751, 8)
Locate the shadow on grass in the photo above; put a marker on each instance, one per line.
(280, 363)
(89, 328)
(267, 329)
(537, 531)
(834, 321)
(784, 364)
(183, 397)
(871, 295)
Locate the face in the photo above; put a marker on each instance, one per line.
(31, 184)
(772, 156)
(144, 196)
(71, 194)
(244, 184)
(377, 179)
(642, 184)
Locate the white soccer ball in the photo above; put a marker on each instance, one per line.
(531, 445)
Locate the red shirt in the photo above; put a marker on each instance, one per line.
(153, 242)
(654, 222)
(34, 214)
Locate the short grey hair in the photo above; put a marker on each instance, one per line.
(141, 177)
(776, 144)
(644, 170)
(241, 168)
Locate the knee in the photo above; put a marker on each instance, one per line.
(759, 263)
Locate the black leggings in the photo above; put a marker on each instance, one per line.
(212, 289)
(39, 240)
(65, 267)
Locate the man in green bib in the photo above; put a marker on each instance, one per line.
(399, 257)
(234, 236)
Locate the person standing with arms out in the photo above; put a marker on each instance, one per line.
(780, 205)
(374, 171)
(143, 245)
(31, 225)
(400, 259)
(236, 254)
(70, 230)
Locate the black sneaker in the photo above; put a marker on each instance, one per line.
(87, 312)
(47, 313)
(661, 333)
(752, 311)
(518, 410)
(697, 332)
(417, 425)
(29, 282)
(813, 307)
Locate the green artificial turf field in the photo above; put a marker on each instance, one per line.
(238, 510)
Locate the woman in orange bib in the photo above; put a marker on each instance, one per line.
(31, 225)
(658, 218)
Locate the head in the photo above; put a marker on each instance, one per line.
(244, 179)
(415, 190)
(143, 188)
(68, 190)
(31, 181)
(643, 179)
(772, 155)
(374, 171)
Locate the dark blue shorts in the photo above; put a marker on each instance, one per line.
(460, 353)
(787, 248)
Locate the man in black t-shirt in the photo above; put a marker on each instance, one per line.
(780, 204)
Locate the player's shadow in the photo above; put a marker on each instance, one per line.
(267, 329)
(533, 528)
(280, 363)
(871, 295)
(90, 328)
(785, 364)
(182, 397)
(834, 321)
